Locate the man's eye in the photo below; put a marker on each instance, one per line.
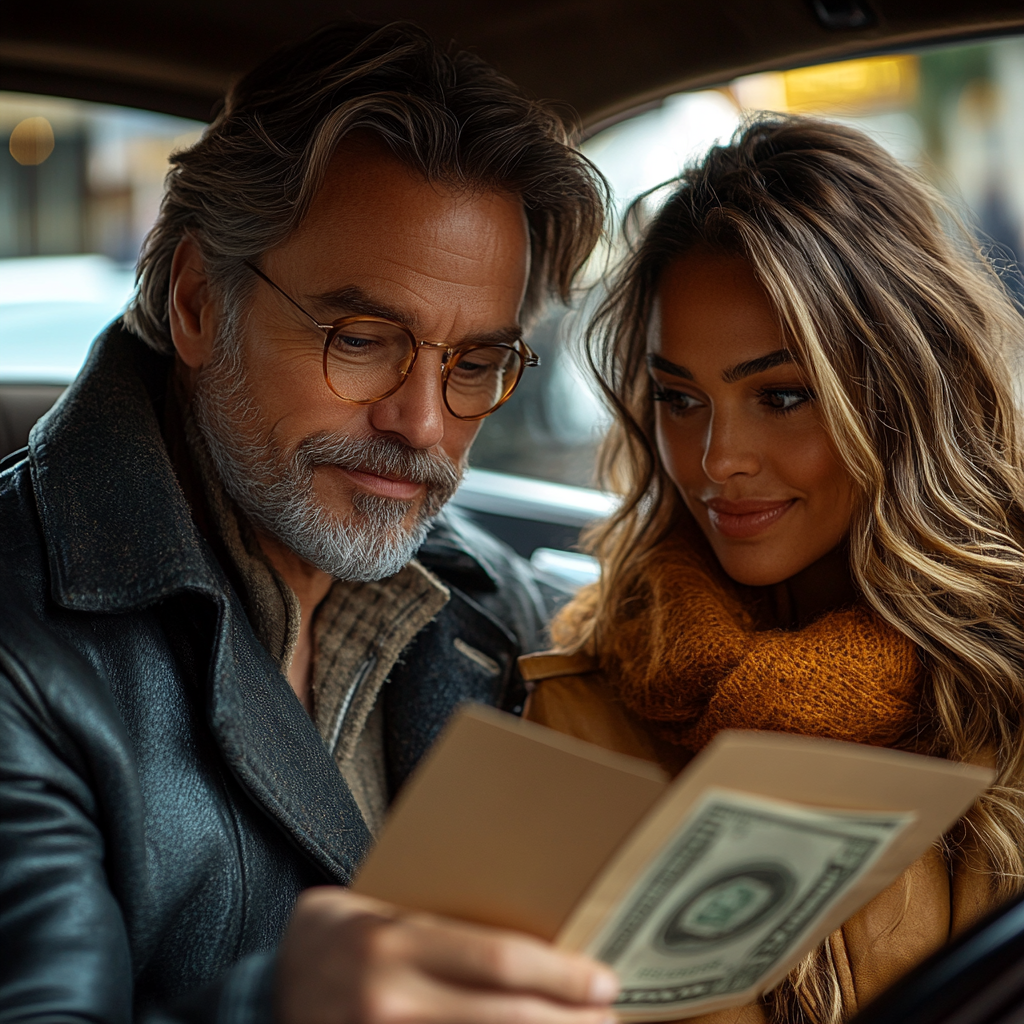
(785, 399)
(471, 367)
(355, 341)
(677, 401)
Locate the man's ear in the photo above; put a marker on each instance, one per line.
(193, 313)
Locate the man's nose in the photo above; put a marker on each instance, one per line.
(416, 411)
(730, 448)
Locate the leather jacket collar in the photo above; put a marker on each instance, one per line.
(118, 530)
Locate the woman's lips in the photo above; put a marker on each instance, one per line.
(747, 518)
(385, 487)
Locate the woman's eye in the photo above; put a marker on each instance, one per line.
(785, 399)
(677, 401)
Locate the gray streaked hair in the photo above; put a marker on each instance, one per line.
(249, 181)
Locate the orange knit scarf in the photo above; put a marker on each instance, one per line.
(685, 656)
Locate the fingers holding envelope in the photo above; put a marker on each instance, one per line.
(349, 959)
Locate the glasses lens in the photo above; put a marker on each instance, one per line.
(365, 359)
(481, 378)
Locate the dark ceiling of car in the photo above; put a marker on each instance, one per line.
(598, 56)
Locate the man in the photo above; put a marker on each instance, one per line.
(219, 657)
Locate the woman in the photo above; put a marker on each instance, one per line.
(822, 529)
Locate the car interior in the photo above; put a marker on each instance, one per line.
(93, 98)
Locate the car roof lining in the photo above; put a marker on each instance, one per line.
(602, 58)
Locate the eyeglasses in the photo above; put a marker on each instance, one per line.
(367, 358)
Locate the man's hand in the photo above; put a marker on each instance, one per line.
(349, 959)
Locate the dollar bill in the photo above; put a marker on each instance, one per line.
(742, 883)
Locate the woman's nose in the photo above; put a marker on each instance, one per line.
(730, 448)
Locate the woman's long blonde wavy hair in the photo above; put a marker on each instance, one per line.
(909, 341)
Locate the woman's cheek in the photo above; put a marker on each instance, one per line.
(810, 461)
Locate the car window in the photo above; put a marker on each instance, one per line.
(955, 113)
(80, 185)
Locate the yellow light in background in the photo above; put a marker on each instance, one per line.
(872, 83)
(32, 140)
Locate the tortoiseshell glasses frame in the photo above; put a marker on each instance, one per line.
(367, 358)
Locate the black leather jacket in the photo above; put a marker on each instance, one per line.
(163, 795)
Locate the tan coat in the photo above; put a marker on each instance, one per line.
(898, 929)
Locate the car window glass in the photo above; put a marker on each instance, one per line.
(80, 185)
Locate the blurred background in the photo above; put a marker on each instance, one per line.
(80, 184)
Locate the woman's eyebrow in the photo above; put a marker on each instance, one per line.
(655, 362)
(777, 358)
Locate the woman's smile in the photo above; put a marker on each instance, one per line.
(745, 518)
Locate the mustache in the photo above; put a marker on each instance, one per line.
(383, 456)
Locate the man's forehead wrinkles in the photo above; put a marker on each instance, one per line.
(453, 256)
(419, 269)
(429, 295)
(461, 255)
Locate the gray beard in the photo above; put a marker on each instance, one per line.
(274, 488)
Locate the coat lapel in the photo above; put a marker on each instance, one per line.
(275, 750)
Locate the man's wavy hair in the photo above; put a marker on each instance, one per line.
(249, 181)
(912, 345)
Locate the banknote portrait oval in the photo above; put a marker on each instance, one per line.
(726, 906)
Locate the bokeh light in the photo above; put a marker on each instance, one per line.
(31, 141)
